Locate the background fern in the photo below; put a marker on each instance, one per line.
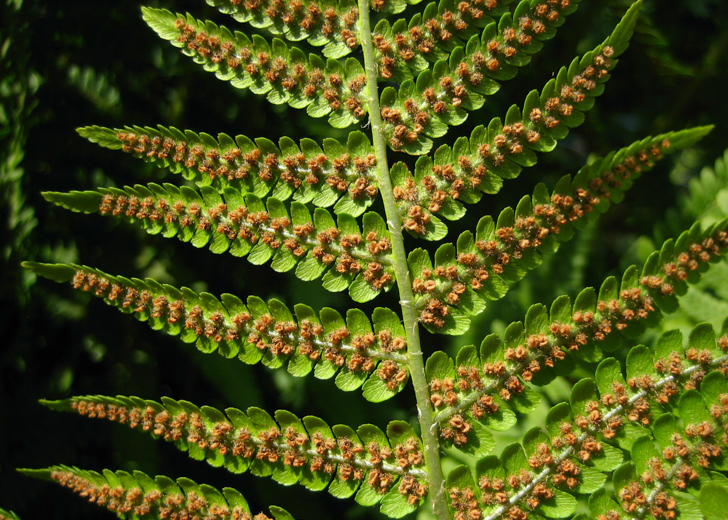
(105, 353)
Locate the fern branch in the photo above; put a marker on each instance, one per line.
(459, 175)
(501, 253)
(577, 451)
(443, 32)
(263, 332)
(368, 462)
(653, 483)
(586, 330)
(340, 174)
(288, 77)
(246, 226)
(702, 200)
(138, 495)
(285, 74)
(442, 97)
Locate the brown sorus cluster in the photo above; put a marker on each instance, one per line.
(699, 363)
(153, 504)
(379, 465)
(356, 174)
(281, 338)
(719, 410)
(335, 24)
(498, 491)
(241, 59)
(610, 515)
(637, 495)
(346, 253)
(565, 472)
(443, 286)
(464, 504)
(701, 448)
(633, 497)
(584, 447)
(635, 409)
(452, 89)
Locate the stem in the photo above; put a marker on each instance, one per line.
(409, 315)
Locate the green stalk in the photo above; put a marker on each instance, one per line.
(409, 314)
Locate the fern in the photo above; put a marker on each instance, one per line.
(643, 438)
(138, 495)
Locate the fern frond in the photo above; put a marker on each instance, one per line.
(577, 450)
(443, 31)
(374, 465)
(284, 73)
(340, 174)
(689, 448)
(547, 345)
(8, 515)
(262, 332)
(442, 96)
(139, 496)
(95, 86)
(401, 47)
(332, 23)
(501, 253)
(246, 226)
(707, 193)
(460, 176)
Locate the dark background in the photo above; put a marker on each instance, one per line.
(82, 62)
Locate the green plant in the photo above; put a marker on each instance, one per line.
(241, 206)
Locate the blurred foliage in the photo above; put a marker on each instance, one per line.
(70, 64)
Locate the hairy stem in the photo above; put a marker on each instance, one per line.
(409, 314)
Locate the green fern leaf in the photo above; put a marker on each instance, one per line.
(443, 96)
(285, 448)
(262, 332)
(341, 174)
(460, 174)
(285, 74)
(500, 254)
(447, 32)
(708, 195)
(138, 495)
(576, 451)
(546, 347)
(246, 226)
(643, 438)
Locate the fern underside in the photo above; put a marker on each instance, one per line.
(645, 438)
